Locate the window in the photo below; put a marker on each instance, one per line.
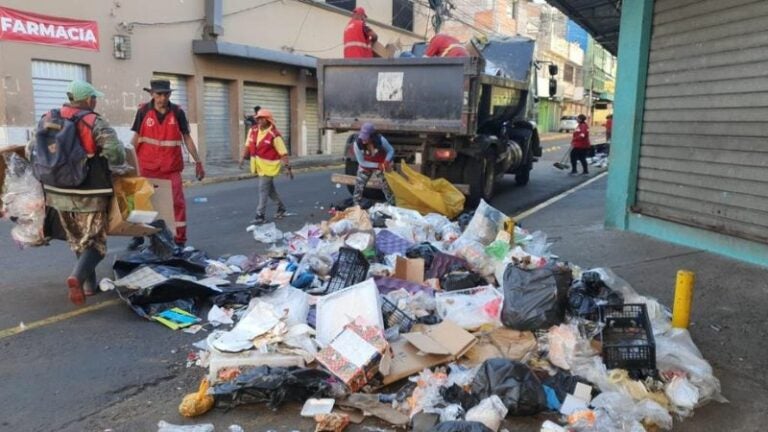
(512, 9)
(343, 4)
(568, 73)
(402, 14)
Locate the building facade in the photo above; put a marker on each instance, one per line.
(222, 57)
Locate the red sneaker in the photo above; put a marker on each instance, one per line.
(76, 294)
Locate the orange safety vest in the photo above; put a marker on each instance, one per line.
(356, 43)
(159, 146)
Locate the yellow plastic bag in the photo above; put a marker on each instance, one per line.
(133, 193)
(418, 192)
(195, 404)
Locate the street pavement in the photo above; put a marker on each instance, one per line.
(103, 368)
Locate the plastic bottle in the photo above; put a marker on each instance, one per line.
(200, 199)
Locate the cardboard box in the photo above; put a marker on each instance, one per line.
(429, 347)
(162, 201)
(410, 269)
(354, 355)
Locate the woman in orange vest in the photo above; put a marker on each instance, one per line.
(266, 150)
(442, 45)
(358, 37)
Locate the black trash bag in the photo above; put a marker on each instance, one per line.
(460, 426)
(535, 299)
(457, 395)
(423, 250)
(563, 383)
(274, 386)
(242, 296)
(590, 292)
(464, 219)
(379, 220)
(514, 383)
(459, 280)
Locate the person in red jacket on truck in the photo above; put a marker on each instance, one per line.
(358, 37)
(443, 45)
(580, 145)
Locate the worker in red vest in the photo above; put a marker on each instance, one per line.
(443, 45)
(358, 37)
(160, 129)
(580, 146)
(267, 153)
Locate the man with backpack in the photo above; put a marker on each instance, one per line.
(71, 155)
(160, 129)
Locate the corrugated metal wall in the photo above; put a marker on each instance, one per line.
(312, 121)
(180, 95)
(276, 99)
(704, 149)
(217, 121)
(50, 81)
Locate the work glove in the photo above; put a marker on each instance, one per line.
(385, 166)
(199, 171)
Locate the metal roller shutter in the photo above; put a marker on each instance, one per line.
(217, 120)
(314, 139)
(339, 143)
(50, 81)
(180, 94)
(704, 147)
(274, 98)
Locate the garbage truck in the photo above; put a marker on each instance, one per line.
(470, 120)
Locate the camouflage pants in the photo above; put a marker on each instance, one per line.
(363, 176)
(85, 230)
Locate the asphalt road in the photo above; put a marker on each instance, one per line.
(103, 367)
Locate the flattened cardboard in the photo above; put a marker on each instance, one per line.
(410, 269)
(162, 201)
(425, 349)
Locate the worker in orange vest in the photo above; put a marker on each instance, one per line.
(358, 37)
(443, 45)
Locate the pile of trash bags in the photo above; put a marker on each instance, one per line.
(422, 322)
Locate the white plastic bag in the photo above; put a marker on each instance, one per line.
(675, 351)
(24, 202)
(490, 412)
(163, 426)
(474, 253)
(292, 302)
(485, 224)
(683, 395)
(471, 308)
(265, 233)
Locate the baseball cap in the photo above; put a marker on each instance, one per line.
(82, 90)
(359, 11)
(366, 131)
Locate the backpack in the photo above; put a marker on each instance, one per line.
(59, 159)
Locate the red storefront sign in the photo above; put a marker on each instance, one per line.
(47, 30)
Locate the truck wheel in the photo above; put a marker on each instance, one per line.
(350, 168)
(480, 175)
(522, 178)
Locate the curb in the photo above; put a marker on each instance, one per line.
(246, 176)
(554, 137)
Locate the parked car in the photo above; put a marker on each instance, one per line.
(568, 124)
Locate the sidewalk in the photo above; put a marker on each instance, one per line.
(728, 317)
(219, 172)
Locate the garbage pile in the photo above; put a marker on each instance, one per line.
(422, 322)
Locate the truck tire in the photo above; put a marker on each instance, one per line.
(350, 168)
(524, 176)
(480, 175)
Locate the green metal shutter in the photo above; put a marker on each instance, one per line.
(314, 139)
(217, 121)
(704, 147)
(274, 98)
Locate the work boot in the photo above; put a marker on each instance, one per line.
(76, 294)
(258, 220)
(135, 243)
(281, 212)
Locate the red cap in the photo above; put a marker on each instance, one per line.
(359, 11)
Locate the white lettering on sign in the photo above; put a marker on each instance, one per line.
(389, 87)
(29, 27)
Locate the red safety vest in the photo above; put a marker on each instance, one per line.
(445, 46)
(159, 147)
(379, 154)
(579, 142)
(356, 43)
(263, 149)
(84, 127)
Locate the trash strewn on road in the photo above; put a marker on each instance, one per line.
(417, 319)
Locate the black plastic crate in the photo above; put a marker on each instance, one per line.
(350, 268)
(627, 339)
(395, 317)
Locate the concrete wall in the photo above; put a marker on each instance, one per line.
(161, 34)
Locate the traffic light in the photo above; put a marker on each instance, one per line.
(552, 87)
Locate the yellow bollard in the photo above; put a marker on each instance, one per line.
(681, 311)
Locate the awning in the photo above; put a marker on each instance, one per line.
(252, 53)
(600, 18)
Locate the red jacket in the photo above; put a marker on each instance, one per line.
(356, 40)
(443, 45)
(580, 138)
(159, 146)
(83, 128)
